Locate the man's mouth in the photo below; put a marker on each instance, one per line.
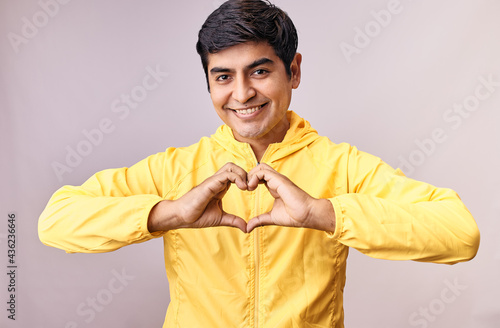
(248, 111)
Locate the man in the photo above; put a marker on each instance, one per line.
(258, 218)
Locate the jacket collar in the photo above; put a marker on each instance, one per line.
(299, 135)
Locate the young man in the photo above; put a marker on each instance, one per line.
(258, 218)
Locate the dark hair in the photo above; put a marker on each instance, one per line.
(239, 21)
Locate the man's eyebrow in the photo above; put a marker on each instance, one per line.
(220, 70)
(256, 63)
(259, 62)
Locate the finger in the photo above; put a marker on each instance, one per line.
(261, 167)
(258, 221)
(269, 177)
(218, 184)
(236, 178)
(229, 220)
(236, 174)
(257, 175)
(213, 187)
(253, 182)
(231, 167)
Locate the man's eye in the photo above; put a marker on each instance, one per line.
(222, 77)
(260, 72)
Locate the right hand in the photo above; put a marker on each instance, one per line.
(202, 206)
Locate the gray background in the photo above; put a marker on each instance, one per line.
(387, 98)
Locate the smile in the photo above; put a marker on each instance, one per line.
(249, 111)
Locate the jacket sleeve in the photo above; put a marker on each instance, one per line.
(389, 216)
(110, 210)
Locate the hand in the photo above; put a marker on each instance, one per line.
(201, 206)
(292, 207)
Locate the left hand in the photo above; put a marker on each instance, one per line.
(293, 207)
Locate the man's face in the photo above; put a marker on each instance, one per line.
(251, 90)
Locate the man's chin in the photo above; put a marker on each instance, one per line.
(248, 135)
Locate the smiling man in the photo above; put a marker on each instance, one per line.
(257, 219)
(251, 92)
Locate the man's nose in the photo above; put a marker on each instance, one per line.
(243, 90)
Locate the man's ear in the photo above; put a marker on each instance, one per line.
(295, 70)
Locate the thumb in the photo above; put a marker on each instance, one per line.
(261, 220)
(230, 220)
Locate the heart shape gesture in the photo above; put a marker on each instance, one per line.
(293, 207)
(202, 206)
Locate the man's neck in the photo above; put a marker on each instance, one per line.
(260, 145)
(259, 150)
(276, 133)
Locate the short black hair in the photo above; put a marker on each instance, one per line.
(239, 21)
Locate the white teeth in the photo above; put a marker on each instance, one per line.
(249, 110)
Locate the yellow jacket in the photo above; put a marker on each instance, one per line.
(274, 276)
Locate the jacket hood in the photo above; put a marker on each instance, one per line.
(299, 135)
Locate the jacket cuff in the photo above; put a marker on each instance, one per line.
(339, 219)
(143, 228)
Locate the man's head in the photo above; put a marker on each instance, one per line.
(248, 50)
(240, 21)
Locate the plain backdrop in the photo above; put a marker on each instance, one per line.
(416, 83)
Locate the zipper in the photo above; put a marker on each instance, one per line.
(257, 278)
(256, 242)
(256, 246)
(257, 250)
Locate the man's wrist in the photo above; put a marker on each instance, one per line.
(162, 217)
(324, 215)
